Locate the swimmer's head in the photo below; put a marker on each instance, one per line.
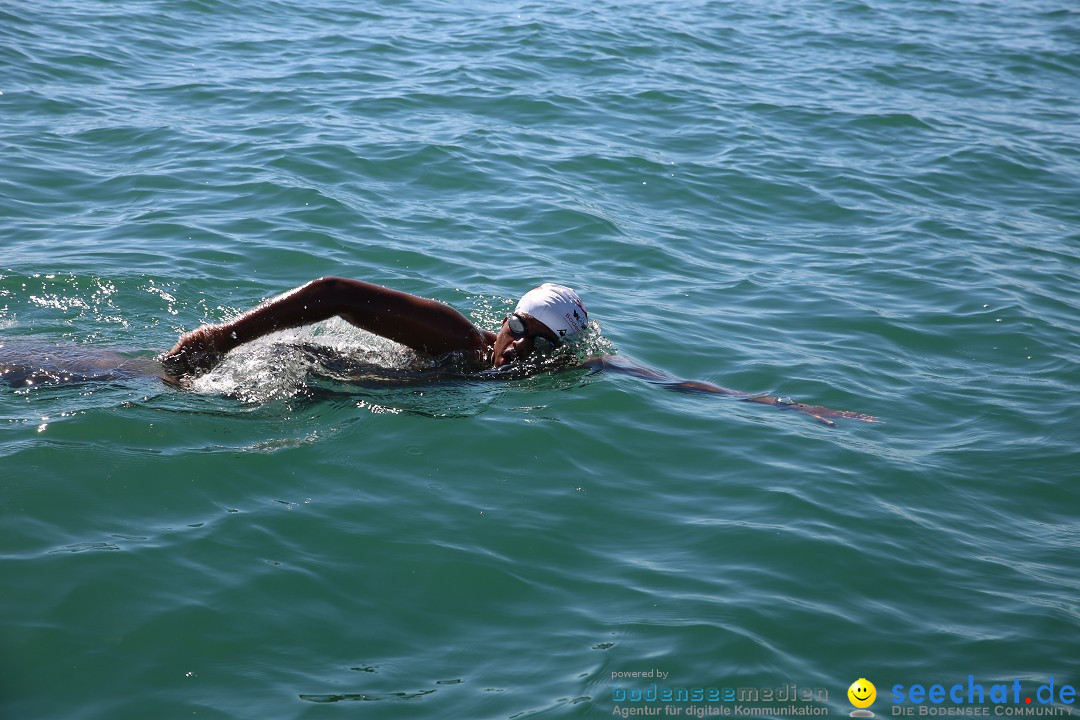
(557, 307)
(545, 316)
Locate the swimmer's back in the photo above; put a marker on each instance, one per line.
(24, 363)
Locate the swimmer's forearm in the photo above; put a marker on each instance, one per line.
(306, 305)
(823, 415)
(629, 367)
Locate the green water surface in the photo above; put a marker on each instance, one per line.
(861, 204)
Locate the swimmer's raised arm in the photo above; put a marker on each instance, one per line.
(629, 367)
(424, 325)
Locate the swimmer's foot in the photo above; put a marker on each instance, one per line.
(197, 351)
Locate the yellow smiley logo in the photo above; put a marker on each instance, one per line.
(862, 693)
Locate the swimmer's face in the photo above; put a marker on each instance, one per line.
(510, 346)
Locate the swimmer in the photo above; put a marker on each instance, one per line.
(544, 318)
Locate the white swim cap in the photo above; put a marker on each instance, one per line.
(557, 306)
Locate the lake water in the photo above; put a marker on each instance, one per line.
(862, 204)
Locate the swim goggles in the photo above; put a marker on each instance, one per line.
(518, 330)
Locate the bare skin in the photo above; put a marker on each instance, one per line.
(428, 327)
(25, 363)
(823, 415)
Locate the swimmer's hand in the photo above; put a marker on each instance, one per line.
(823, 415)
(196, 352)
